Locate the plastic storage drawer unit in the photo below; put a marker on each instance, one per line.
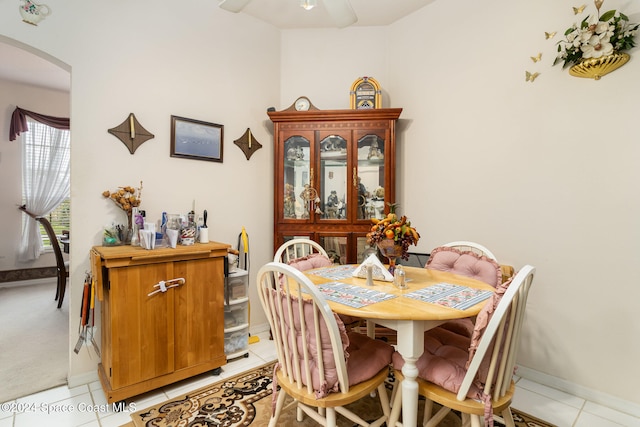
(236, 315)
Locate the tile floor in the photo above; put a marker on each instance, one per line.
(86, 405)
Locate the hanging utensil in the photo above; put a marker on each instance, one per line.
(84, 314)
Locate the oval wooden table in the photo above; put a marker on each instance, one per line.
(408, 316)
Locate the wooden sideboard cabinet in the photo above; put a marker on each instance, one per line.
(334, 171)
(149, 339)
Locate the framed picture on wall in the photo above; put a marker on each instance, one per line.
(195, 139)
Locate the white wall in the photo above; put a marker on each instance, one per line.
(323, 64)
(45, 101)
(192, 60)
(542, 173)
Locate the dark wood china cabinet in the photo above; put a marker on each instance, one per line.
(334, 171)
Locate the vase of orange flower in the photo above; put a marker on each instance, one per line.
(393, 235)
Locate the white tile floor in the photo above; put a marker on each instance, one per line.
(86, 405)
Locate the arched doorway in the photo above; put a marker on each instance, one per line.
(36, 329)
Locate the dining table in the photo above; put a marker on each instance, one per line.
(430, 299)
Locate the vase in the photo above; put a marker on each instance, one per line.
(390, 250)
(595, 68)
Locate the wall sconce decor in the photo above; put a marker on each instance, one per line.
(131, 133)
(248, 144)
(594, 47)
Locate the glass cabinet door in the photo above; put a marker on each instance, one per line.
(297, 175)
(370, 178)
(336, 247)
(363, 250)
(333, 177)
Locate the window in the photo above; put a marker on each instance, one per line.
(46, 153)
(59, 219)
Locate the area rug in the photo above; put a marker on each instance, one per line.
(245, 400)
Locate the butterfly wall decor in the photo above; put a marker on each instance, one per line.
(530, 77)
(537, 58)
(549, 35)
(578, 10)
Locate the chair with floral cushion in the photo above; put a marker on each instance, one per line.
(306, 254)
(320, 365)
(473, 375)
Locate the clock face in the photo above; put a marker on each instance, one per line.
(302, 104)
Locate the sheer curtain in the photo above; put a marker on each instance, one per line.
(45, 180)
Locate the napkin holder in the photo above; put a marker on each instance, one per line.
(379, 271)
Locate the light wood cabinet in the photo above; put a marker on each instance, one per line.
(149, 339)
(334, 171)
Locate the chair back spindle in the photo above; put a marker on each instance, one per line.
(297, 248)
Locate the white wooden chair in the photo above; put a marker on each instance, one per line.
(297, 248)
(311, 355)
(498, 344)
(507, 270)
(473, 247)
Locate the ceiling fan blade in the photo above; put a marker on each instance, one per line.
(234, 6)
(341, 12)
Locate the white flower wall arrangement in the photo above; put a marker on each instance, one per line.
(595, 46)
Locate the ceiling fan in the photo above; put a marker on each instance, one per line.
(340, 11)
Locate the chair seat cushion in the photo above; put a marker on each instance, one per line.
(447, 354)
(465, 263)
(444, 360)
(366, 357)
(460, 326)
(311, 261)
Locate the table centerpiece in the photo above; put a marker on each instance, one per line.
(393, 235)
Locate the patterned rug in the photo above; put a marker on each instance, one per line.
(245, 400)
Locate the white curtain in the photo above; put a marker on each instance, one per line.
(45, 180)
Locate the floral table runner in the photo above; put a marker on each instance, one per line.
(336, 272)
(449, 295)
(351, 295)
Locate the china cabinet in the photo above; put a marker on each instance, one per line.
(334, 171)
(162, 314)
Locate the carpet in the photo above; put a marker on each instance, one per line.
(245, 400)
(32, 326)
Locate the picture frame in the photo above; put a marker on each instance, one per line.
(195, 139)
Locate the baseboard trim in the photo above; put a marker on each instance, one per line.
(83, 379)
(257, 329)
(26, 274)
(577, 390)
(29, 282)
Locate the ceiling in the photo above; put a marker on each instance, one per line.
(21, 66)
(287, 14)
